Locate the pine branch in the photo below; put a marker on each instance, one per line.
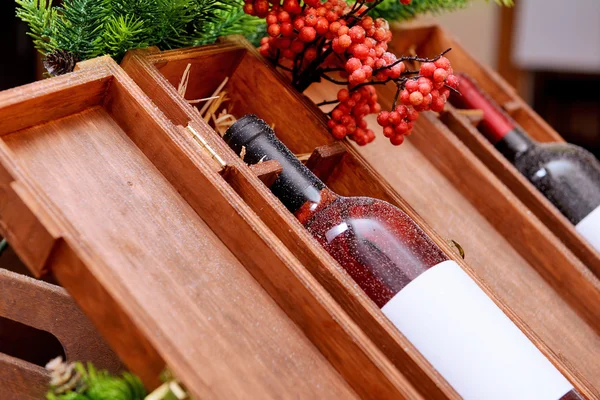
(393, 10)
(40, 16)
(123, 33)
(78, 27)
(232, 21)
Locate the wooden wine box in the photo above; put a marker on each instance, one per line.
(432, 39)
(520, 257)
(179, 254)
(103, 191)
(552, 289)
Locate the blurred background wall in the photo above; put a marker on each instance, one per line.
(477, 28)
(18, 62)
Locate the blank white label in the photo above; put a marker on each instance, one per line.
(589, 228)
(470, 341)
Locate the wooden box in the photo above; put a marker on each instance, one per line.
(520, 258)
(430, 40)
(255, 87)
(98, 187)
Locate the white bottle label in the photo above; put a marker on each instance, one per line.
(470, 341)
(589, 228)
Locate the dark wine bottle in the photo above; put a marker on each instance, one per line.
(567, 175)
(431, 300)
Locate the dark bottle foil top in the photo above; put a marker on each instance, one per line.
(296, 184)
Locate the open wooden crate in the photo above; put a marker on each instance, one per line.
(430, 40)
(130, 215)
(255, 87)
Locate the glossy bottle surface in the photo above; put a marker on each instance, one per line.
(567, 175)
(377, 244)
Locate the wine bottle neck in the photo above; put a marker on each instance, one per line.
(297, 187)
(496, 124)
(514, 143)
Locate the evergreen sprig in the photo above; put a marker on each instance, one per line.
(393, 10)
(83, 29)
(76, 382)
(89, 28)
(40, 17)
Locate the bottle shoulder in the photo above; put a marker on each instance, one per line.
(562, 157)
(567, 175)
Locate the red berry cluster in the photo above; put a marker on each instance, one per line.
(293, 28)
(428, 91)
(347, 119)
(364, 46)
(397, 123)
(311, 38)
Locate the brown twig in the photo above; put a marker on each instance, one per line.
(333, 80)
(413, 58)
(324, 103)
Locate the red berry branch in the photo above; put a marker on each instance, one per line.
(339, 42)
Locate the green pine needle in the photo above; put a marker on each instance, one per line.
(40, 16)
(123, 33)
(393, 10)
(90, 28)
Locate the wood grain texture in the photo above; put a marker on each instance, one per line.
(49, 308)
(48, 100)
(144, 71)
(325, 159)
(167, 241)
(508, 252)
(522, 188)
(354, 176)
(30, 232)
(431, 40)
(267, 172)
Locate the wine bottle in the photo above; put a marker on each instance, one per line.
(431, 300)
(567, 175)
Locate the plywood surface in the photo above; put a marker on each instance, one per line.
(21, 380)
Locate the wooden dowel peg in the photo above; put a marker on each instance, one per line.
(324, 159)
(474, 116)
